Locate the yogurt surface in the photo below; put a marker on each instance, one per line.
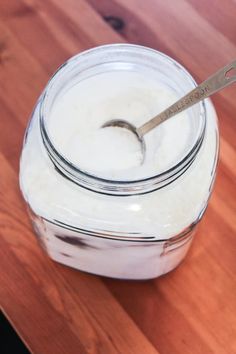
(75, 126)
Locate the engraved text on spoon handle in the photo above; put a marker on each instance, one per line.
(214, 83)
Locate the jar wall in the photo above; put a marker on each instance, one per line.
(131, 216)
(109, 257)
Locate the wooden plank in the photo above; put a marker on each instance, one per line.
(22, 78)
(216, 13)
(60, 28)
(227, 156)
(11, 130)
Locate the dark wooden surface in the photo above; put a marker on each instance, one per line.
(59, 310)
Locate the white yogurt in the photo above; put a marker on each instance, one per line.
(114, 235)
(114, 153)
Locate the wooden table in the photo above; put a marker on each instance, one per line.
(59, 310)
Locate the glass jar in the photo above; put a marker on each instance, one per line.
(133, 229)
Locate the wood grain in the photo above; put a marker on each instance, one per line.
(59, 310)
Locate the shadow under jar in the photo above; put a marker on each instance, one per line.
(135, 225)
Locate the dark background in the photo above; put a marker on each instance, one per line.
(10, 343)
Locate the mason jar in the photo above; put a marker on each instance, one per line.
(133, 228)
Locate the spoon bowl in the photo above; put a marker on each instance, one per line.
(121, 123)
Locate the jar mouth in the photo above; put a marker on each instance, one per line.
(89, 180)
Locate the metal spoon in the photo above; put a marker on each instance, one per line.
(222, 78)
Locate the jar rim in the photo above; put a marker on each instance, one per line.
(117, 187)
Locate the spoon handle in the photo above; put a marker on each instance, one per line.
(222, 78)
